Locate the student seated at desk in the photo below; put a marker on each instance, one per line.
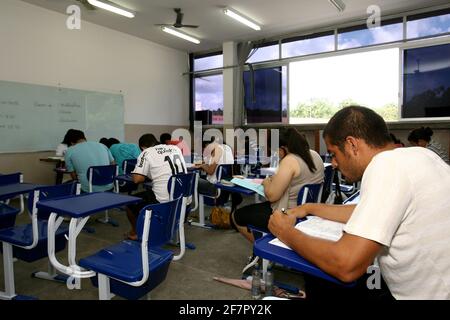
(421, 137)
(402, 217)
(65, 144)
(83, 154)
(121, 151)
(215, 154)
(298, 166)
(157, 162)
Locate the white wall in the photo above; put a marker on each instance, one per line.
(36, 47)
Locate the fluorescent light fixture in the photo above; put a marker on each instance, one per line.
(339, 4)
(180, 35)
(233, 14)
(111, 7)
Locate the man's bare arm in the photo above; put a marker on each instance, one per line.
(346, 259)
(339, 213)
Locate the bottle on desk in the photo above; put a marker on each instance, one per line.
(256, 283)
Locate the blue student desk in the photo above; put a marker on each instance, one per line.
(235, 188)
(10, 191)
(289, 258)
(78, 208)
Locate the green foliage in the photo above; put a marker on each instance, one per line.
(317, 108)
(388, 111)
(324, 109)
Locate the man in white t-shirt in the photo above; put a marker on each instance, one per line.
(403, 217)
(216, 154)
(157, 162)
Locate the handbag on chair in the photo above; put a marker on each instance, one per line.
(221, 217)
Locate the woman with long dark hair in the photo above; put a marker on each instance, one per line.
(298, 166)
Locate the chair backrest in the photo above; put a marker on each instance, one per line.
(11, 178)
(181, 185)
(162, 222)
(327, 183)
(353, 199)
(128, 165)
(224, 171)
(309, 193)
(50, 192)
(101, 175)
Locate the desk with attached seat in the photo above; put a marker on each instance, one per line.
(78, 208)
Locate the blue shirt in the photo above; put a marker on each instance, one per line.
(124, 151)
(84, 155)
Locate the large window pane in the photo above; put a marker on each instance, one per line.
(209, 62)
(266, 103)
(320, 87)
(426, 82)
(427, 25)
(307, 45)
(209, 97)
(266, 53)
(361, 37)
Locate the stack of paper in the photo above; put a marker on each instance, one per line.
(316, 227)
(252, 184)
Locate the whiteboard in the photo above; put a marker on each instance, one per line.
(36, 118)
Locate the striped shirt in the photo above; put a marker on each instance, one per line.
(437, 148)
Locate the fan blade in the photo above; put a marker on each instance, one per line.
(188, 26)
(163, 25)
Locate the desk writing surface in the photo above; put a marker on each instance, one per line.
(9, 191)
(289, 258)
(86, 204)
(235, 188)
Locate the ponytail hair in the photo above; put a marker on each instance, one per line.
(422, 133)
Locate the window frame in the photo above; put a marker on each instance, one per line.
(403, 44)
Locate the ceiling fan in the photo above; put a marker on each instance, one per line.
(178, 22)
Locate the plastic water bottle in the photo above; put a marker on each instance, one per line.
(256, 283)
(269, 282)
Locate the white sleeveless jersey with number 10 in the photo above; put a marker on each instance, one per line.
(159, 163)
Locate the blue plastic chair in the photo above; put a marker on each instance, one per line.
(28, 242)
(310, 193)
(128, 166)
(8, 216)
(327, 183)
(181, 185)
(131, 269)
(101, 176)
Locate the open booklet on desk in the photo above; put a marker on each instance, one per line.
(316, 227)
(252, 184)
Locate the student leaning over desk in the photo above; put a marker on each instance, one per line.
(403, 216)
(121, 151)
(83, 154)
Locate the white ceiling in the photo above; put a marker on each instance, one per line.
(277, 17)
